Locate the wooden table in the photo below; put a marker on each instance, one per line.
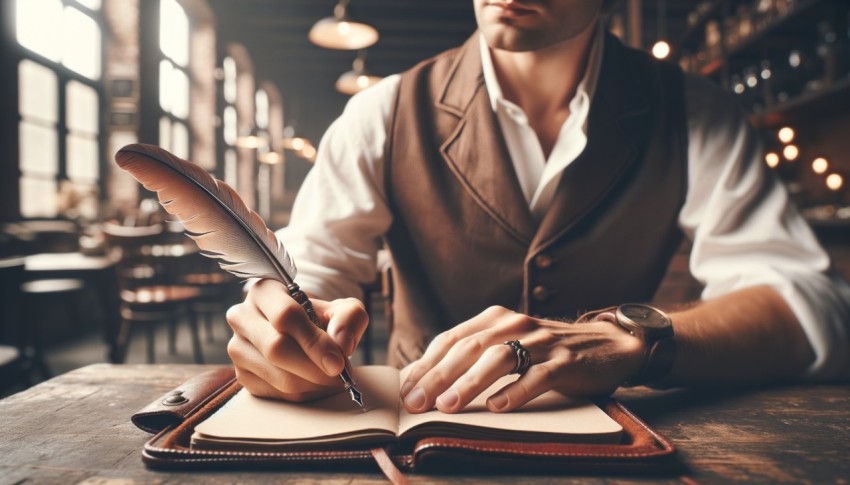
(76, 428)
(98, 275)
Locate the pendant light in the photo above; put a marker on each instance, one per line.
(357, 79)
(252, 138)
(340, 32)
(300, 146)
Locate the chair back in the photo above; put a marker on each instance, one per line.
(140, 255)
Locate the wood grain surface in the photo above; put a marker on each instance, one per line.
(76, 428)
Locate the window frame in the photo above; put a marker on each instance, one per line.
(17, 53)
(186, 70)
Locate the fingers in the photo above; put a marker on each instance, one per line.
(280, 353)
(269, 300)
(452, 356)
(261, 388)
(590, 359)
(276, 361)
(496, 362)
(347, 321)
(533, 383)
(459, 358)
(488, 320)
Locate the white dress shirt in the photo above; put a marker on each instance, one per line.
(736, 213)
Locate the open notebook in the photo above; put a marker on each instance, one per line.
(250, 423)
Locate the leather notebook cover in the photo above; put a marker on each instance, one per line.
(173, 418)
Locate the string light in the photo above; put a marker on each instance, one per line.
(786, 134)
(661, 50)
(791, 152)
(820, 165)
(772, 159)
(834, 182)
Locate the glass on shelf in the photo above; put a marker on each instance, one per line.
(745, 22)
(753, 93)
(842, 49)
(704, 7)
(693, 18)
(784, 7)
(765, 13)
(712, 38)
(827, 52)
(765, 73)
(732, 37)
(686, 61)
(736, 82)
(801, 73)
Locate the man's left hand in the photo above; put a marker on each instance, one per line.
(575, 359)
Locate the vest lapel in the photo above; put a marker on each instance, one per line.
(475, 149)
(617, 125)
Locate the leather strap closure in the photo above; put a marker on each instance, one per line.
(176, 405)
(385, 463)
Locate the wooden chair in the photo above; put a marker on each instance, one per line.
(43, 295)
(150, 290)
(218, 289)
(27, 303)
(381, 286)
(63, 296)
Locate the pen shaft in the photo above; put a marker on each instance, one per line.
(299, 296)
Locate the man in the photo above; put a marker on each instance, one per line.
(540, 170)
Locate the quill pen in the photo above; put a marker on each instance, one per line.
(217, 219)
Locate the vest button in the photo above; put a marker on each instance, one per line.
(543, 261)
(540, 293)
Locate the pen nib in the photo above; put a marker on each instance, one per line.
(351, 388)
(356, 396)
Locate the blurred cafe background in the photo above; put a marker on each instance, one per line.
(94, 271)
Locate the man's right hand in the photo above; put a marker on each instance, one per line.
(278, 353)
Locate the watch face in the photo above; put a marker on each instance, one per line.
(645, 316)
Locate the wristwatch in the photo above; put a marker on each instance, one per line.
(655, 328)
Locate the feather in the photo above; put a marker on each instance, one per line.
(223, 227)
(212, 212)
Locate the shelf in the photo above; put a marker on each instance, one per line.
(832, 99)
(805, 13)
(698, 28)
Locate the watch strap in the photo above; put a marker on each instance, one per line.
(658, 362)
(658, 359)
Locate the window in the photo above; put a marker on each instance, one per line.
(59, 103)
(261, 119)
(230, 122)
(174, 78)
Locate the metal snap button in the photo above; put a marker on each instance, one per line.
(175, 399)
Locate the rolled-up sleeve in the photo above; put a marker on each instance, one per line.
(745, 231)
(340, 214)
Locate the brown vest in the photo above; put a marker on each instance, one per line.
(463, 238)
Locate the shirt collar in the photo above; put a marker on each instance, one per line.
(586, 88)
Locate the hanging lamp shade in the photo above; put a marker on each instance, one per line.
(340, 32)
(357, 79)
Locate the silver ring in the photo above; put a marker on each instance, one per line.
(523, 357)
